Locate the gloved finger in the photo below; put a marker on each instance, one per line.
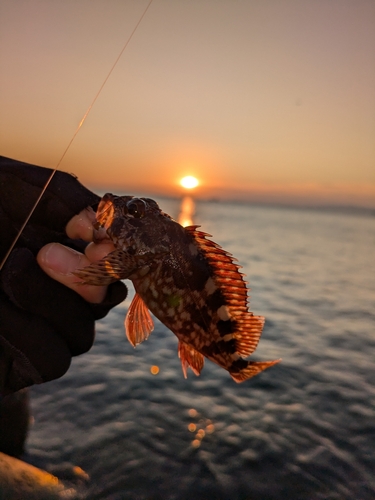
(96, 251)
(116, 293)
(30, 289)
(59, 262)
(64, 197)
(32, 237)
(31, 352)
(81, 225)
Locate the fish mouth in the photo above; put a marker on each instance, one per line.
(105, 211)
(104, 217)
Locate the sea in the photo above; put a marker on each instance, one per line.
(134, 428)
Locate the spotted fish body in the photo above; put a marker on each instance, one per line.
(186, 280)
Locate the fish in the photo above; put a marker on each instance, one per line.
(193, 286)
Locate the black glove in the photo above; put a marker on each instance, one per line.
(42, 322)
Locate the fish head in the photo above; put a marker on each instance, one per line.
(131, 223)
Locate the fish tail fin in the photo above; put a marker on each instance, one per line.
(252, 369)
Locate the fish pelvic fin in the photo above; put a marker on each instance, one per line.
(115, 266)
(252, 369)
(138, 321)
(190, 357)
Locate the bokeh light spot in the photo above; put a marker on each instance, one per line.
(210, 428)
(192, 427)
(200, 434)
(193, 412)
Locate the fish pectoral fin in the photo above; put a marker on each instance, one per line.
(248, 332)
(252, 369)
(190, 357)
(117, 265)
(138, 321)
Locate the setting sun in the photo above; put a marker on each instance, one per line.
(189, 182)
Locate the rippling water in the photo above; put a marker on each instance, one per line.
(303, 429)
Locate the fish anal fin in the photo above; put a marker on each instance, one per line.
(190, 357)
(252, 369)
(138, 321)
(115, 266)
(248, 332)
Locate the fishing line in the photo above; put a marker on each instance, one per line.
(73, 137)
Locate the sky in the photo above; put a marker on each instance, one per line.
(261, 100)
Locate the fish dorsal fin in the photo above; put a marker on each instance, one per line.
(138, 321)
(190, 357)
(228, 278)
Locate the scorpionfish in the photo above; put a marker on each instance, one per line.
(187, 281)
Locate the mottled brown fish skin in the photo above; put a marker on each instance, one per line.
(187, 281)
(179, 290)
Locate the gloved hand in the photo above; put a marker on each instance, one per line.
(42, 322)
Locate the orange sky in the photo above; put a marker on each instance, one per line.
(266, 101)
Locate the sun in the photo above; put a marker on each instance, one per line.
(189, 182)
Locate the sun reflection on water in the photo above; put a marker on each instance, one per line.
(187, 210)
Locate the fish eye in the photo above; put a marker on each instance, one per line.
(137, 208)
